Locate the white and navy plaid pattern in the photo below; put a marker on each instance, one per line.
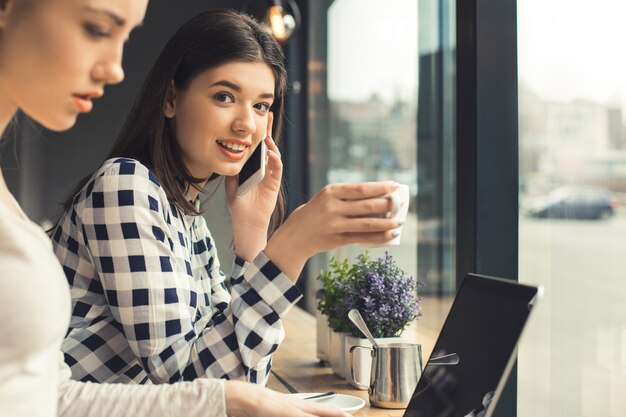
(148, 296)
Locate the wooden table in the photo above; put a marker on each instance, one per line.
(296, 362)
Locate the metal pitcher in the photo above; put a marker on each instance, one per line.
(396, 369)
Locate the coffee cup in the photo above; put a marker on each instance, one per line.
(399, 199)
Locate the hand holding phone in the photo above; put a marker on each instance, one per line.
(253, 170)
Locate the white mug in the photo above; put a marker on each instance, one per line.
(400, 199)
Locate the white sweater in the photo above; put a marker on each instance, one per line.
(34, 316)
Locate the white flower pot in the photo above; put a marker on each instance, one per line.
(323, 336)
(336, 353)
(362, 359)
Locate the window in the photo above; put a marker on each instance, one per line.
(572, 227)
(381, 103)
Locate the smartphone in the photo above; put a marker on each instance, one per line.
(253, 170)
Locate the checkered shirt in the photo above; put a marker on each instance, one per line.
(149, 302)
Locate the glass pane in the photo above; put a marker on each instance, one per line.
(572, 92)
(369, 121)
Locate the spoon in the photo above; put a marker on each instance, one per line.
(355, 317)
(329, 394)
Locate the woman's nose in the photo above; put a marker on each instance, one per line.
(244, 123)
(108, 72)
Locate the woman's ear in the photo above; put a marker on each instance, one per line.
(169, 108)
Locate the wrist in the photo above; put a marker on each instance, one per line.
(249, 241)
(286, 253)
(235, 399)
(252, 225)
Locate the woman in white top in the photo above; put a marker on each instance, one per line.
(55, 57)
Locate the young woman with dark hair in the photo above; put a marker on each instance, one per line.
(149, 302)
(56, 57)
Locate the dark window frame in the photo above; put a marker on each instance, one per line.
(487, 148)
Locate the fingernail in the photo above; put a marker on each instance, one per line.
(395, 233)
(400, 222)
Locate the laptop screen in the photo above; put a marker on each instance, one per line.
(482, 328)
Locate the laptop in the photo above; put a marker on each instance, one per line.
(483, 328)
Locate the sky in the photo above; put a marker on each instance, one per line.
(567, 49)
(573, 49)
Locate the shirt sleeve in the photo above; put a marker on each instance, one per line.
(261, 296)
(151, 291)
(199, 398)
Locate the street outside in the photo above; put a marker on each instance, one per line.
(572, 358)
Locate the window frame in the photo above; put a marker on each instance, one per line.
(487, 148)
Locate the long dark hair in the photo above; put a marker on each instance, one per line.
(208, 40)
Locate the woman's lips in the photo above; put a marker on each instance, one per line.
(83, 103)
(233, 156)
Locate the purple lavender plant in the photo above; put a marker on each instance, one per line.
(385, 295)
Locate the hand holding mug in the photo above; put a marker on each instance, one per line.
(340, 214)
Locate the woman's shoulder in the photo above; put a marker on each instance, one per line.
(121, 181)
(126, 167)
(124, 175)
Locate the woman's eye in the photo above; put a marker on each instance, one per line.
(96, 31)
(263, 106)
(224, 98)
